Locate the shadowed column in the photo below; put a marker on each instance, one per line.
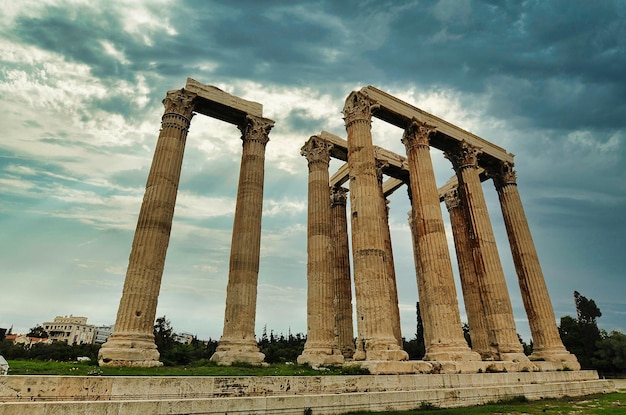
(547, 344)
(321, 344)
(443, 333)
(393, 287)
(371, 270)
(343, 284)
(132, 342)
(495, 295)
(469, 280)
(238, 343)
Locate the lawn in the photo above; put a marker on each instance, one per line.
(607, 404)
(200, 368)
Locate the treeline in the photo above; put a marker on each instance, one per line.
(594, 348)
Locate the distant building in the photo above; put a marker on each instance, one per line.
(184, 338)
(102, 333)
(71, 330)
(25, 340)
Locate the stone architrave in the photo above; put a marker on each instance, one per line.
(443, 334)
(370, 256)
(547, 344)
(393, 287)
(321, 346)
(238, 342)
(495, 295)
(343, 283)
(469, 279)
(132, 342)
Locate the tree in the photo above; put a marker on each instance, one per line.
(416, 347)
(38, 332)
(163, 335)
(581, 335)
(610, 356)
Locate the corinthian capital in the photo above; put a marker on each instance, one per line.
(503, 174)
(338, 196)
(316, 149)
(358, 107)
(180, 101)
(417, 134)
(256, 129)
(464, 155)
(452, 199)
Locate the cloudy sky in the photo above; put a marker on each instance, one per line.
(81, 85)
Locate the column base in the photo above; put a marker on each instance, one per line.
(232, 351)
(129, 350)
(451, 353)
(556, 355)
(385, 350)
(320, 356)
(514, 357)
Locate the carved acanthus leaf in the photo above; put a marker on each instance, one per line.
(338, 196)
(316, 149)
(358, 106)
(452, 199)
(417, 134)
(256, 129)
(180, 102)
(503, 174)
(464, 155)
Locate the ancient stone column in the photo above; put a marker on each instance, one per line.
(469, 280)
(238, 342)
(343, 283)
(547, 344)
(393, 287)
(321, 346)
(132, 342)
(443, 333)
(496, 300)
(371, 270)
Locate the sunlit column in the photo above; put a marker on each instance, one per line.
(238, 342)
(371, 271)
(132, 342)
(343, 283)
(547, 344)
(495, 295)
(321, 344)
(469, 280)
(443, 333)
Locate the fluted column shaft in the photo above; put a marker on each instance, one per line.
(496, 300)
(132, 342)
(343, 283)
(238, 342)
(443, 333)
(547, 344)
(321, 344)
(371, 270)
(469, 280)
(393, 287)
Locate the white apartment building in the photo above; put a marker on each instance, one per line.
(70, 329)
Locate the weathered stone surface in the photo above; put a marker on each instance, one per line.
(132, 342)
(238, 342)
(125, 395)
(321, 346)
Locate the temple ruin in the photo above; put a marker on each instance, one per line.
(132, 342)
(330, 330)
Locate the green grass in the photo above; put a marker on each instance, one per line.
(201, 368)
(606, 404)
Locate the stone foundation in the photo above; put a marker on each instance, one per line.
(70, 395)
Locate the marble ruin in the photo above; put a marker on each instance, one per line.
(132, 342)
(330, 331)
